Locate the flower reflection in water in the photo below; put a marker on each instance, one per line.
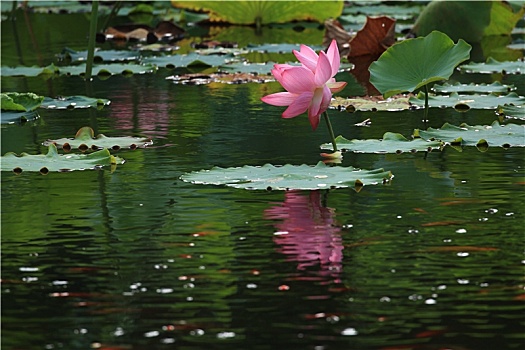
(307, 233)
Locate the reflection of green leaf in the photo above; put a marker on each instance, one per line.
(265, 12)
(472, 101)
(391, 143)
(466, 135)
(20, 102)
(52, 161)
(473, 88)
(493, 66)
(71, 102)
(285, 177)
(413, 63)
(84, 140)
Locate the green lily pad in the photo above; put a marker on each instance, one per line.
(190, 60)
(400, 12)
(288, 177)
(11, 117)
(226, 78)
(109, 69)
(413, 63)
(85, 140)
(465, 102)
(20, 102)
(510, 135)
(52, 161)
(363, 104)
(33, 71)
(391, 143)
(495, 87)
(511, 111)
(72, 102)
(493, 66)
(264, 12)
(101, 55)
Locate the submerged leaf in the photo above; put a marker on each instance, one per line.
(391, 143)
(288, 177)
(413, 63)
(52, 161)
(84, 140)
(510, 135)
(468, 101)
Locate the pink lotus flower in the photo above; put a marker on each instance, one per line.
(309, 86)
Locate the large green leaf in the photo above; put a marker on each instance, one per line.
(287, 177)
(413, 63)
(52, 161)
(264, 11)
(20, 102)
(510, 135)
(465, 102)
(73, 102)
(84, 140)
(493, 66)
(391, 143)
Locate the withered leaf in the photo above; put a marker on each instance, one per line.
(377, 35)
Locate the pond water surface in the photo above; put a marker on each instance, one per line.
(137, 259)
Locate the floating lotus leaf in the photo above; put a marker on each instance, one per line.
(84, 140)
(413, 63)
(33, 71)
(401, 12)
(391, 143)
(192, 59)
(463, 102)
(264, 12)
(72, 102)
(511, 111)
(101, 70)
(10, 117)
(493, 66)
(288, 177)
(510, 135)
(495, 87)
(20, 102)
(102, 55)
(370, 104)
(226, 78)
(52, 161)
(109, 69)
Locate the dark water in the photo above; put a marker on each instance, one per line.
(137, 259)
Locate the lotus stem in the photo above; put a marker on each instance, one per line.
(330, 130)
(91, 43)
(426, 103)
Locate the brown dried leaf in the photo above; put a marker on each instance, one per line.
(377, 35)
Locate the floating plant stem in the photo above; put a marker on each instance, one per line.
(330, 130)
(91, 42)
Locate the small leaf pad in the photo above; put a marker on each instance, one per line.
(84, 140)
(288, 177)
(391, 143)
(52, 161)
